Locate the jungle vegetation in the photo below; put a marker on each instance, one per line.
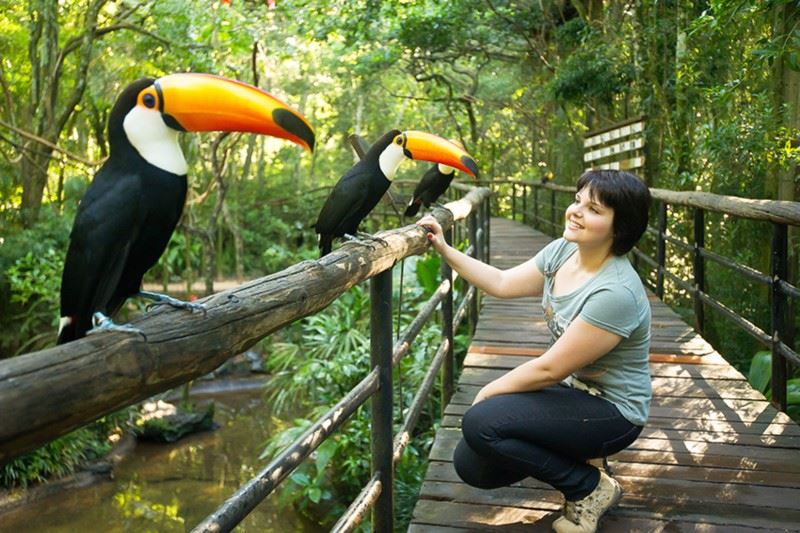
(517, 82)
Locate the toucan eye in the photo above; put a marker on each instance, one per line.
(149, 100)
(399, 141)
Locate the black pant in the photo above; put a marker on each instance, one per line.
(547, 435)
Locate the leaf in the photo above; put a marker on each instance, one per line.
(323, 455)
(760, 371)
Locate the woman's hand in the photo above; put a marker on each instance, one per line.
(485, 392)
(434, 231)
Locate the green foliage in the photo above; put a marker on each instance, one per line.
(328, 354)
(63, 455)
(30, 278)
(760, 375)
(428, 275)
(592, 73)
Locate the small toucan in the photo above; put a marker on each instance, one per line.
(362, 187)
(432, 185)
(132, 206)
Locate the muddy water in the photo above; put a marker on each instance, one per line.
(172, 487)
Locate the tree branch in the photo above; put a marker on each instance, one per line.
(50, 145)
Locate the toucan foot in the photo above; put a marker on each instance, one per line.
(368, 237)
(352, 238)
(101, 323)
(163, 299)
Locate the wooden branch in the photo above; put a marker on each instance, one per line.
(59, 389)
(55, 147)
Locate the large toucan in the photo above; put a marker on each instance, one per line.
(132, 206)
(362, 187)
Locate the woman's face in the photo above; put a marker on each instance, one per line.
(589, 222)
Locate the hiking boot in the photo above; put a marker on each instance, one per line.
(583, 515)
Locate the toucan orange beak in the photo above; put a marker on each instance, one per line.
(423, 146)
(204, 102)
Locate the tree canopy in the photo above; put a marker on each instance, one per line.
(518, 82)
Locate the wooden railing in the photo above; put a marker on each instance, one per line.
(537, 204)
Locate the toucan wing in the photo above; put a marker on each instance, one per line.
(343, 204)
(427, 181)
(105, 226)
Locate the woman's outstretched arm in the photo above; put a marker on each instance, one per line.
(522, 280)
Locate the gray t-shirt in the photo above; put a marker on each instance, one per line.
(614, 300)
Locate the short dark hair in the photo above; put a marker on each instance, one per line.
(628, 196)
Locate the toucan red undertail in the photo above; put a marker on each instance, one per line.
(361, 188)
(132, 206)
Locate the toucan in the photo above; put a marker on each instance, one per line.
(128, 214)
(432, 185)
(361, 188)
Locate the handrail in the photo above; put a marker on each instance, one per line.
(779, 213)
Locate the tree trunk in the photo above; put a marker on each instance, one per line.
(53, 97)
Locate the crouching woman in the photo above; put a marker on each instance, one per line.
(588, 395)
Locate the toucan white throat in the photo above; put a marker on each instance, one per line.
(444, 169)
(390, 159)
(154, 140)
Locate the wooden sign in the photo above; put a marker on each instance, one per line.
(619, 147)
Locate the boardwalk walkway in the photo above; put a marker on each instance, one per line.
(714, 456)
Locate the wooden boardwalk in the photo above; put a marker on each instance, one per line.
(714, 456)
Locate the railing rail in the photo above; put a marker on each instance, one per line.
(779, 338)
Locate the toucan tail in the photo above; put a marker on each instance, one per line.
(413, 207)
(325, 245)
(69, 330)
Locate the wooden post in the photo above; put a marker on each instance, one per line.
(524, 202)
(381, 357)
(486, 215)
(661, 249)
(699, 269)
(552, 211)
(535, 206)
(476, 253)
(513, 201)
(448, 371)
(779, 268)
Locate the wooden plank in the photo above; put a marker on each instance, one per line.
(442, 470)
(482, 517)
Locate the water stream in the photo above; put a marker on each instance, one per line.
(172, 487)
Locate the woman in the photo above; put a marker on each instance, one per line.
(588, 395)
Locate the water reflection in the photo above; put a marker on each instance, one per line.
(172, 487)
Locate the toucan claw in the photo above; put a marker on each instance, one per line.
(101, 323)
(368, 237)
(163, 299)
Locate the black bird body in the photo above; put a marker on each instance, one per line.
(361, 188)
(129, 212)
(122, 227)
(354, 196)
(432, 185)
